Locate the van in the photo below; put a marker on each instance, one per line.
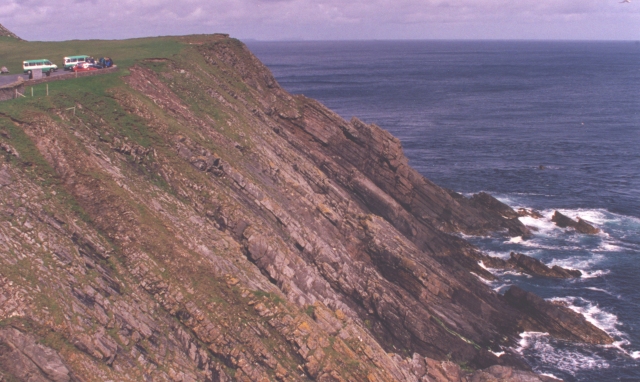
(44, 64)
(71, 61)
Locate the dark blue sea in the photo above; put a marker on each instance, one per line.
(485, 116)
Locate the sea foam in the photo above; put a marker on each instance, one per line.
(539, 346)
(600, 318)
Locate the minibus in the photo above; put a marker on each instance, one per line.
(44, 64)
(71, 61)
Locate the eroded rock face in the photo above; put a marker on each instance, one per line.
(558, 320)
(22, 358)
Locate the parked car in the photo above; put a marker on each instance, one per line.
(44, 64)
(105, 62)
(85, 67)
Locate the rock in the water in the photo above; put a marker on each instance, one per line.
(529, 212)
(558, 321)
(581, 226)
(489, 202)
(584, 227)
(562, 220)
(492, 206)
(536, 267)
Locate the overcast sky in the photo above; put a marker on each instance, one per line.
(324, 19)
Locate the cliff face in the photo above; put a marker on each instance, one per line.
(196, 222)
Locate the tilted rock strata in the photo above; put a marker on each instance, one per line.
(557, 320)
(536, 267)
(24, 359)
(580, 225)
(199, 223)
(529, 265)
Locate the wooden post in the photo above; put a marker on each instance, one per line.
(32, 91)
(47, 90)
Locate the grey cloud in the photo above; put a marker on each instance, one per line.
(329, 19)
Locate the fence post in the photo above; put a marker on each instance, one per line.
(32, 91)
(47, 90)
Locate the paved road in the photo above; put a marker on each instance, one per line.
(6, 79)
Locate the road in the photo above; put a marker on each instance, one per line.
(6, 79)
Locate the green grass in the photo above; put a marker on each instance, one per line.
(310, 310)
(450, 331)
(123, 52)
(271, 296)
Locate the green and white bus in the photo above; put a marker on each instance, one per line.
(71, 61)
(44, 64)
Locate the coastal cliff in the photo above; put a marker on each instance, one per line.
(194, 221)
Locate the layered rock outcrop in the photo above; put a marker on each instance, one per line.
(557, 320)
(580, 225)
(529, 265)
(197, 222)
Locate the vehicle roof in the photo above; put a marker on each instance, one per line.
(80, 56)
(40, 59)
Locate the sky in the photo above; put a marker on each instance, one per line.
(45, 20)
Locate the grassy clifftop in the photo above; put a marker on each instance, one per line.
(124, 52)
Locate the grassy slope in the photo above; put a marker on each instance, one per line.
(123, 52)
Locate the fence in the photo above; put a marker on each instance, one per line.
(16, 89)
(71, 75)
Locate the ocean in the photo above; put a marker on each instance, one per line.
(543, 125)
